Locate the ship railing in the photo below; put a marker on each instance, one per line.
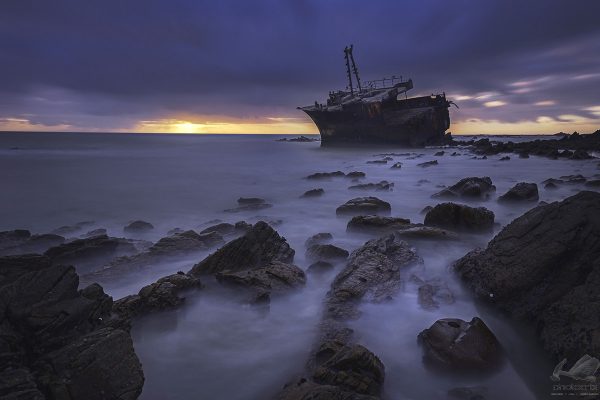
(383, 83)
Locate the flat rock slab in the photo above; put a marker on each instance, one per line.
(364, 205)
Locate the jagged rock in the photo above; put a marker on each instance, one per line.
(543, 268)
(319, 238)
(505, 158)
(377, 224)
(174, 231)
(593, 183)
(372, 272)
(364, 205)
(326, 252)
(575, 179)
(325, 175)
(138, 227)
(522, 191)
(259, 246)
(95, 232)
(425, 210)
(160, 295)
(473, 187)
(313, 193)
(460, 217)
(185, 242)
(397, 165)
(57, 341)
(428, 164)
(454, 344)
(355, 175)
(222, 229)
(319, 267)
(22, 242)
(581, 155)
(274, 277)
(13, 238)
(382, 186)
(94, 250)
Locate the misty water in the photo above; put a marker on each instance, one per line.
(215, 347)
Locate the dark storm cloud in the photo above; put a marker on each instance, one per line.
(68, 60)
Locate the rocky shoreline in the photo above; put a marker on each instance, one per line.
(62, 341)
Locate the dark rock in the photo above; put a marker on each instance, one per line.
(174, 231)
(242, 226)
(15, 242)
(542, 268)
(397, 165)
(425, 210)
(454, 344)
(377, 224)
(301, 139)
(454, 154)
(523, 154)
(420, 232)
(522, 191)
(565, 154)
(377, 162)
(433, 292)
(313, 193)
(383, 185)
(13, 238)
(223, 228)
(58, 342)
(185, 242)
(96, 250)
(468, 393)
(428, 164)
(372, 272)
(326, 252)
(364, 205)
(274, 277)
(305, 389)
(71, 229)
(460, 217)
(581, 155)
(475, 188)
(326, 175)
(248, 207)
(505, 158)
(319, 267)
(439, 153)
(95, 232)
(550, 186)
(574, 179)
(164, 294)
(138, 227)
(319, 238)
(355, 175)
(259, 246)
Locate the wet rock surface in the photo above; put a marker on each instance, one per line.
(381, 186)
(397, 165)
(522, 191)
(138, 227)
(470, 188)
(257, 247)
(542, 268)
(428, 164)
(376, 224)
(319, 267)
(326, 175)
(314, 193)
(460, 217)
(274, 277)
(21, 241)
(249, 204)
(453, 344)
(364, 205)
(319, 238)
(57, 341)
(326, 252)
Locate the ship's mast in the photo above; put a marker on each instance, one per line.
(348, 51)
(355, 69)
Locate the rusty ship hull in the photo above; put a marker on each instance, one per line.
(414, 122)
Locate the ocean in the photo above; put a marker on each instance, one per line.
(214, 347)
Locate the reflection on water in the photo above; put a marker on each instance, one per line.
(216, 348)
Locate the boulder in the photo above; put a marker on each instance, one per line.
(274, 277)
(460, 217)
(364, 205)
(382, 186)
(319, 267)
(355, 175)
(522, 191)
(383, 161)
(257, 247)
(327, 252)
(223, 228)
(439, 153)
(22, 242)
(161, 295)
(397, 165)
(248, 206)
(244, 201)
(432, 292)
(472, 188)
(304, 389)
(325, 175)
(542, 268)
(185, 242)
(313, 193)
(505, 158)
(138, 227)
(428, 164)
(319, 238)
(95, 232)
(594, 183)
(376, 224)
(421, 232)
(453, 344)
(71, 229)
(58, 340)
(581, 155)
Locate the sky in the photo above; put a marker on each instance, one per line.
(195, 66)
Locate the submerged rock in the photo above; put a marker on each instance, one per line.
(474, 188)
(460, 217)
(22, 242)
(314, 193)
(421, 232)
(439, 153)
(244, 201)
(364, 205)
(71, 229)
(376, 223)
(319, 267)
(259, 246)
(326, 252)
(95, 232)
(428, 164)
(384, 161)
(58, 340)
(138, 227)
(382, 186)
(397, 165)
(274, 277)
(542, 268)
(319, 238)
(355, 175)
(454, 344)
(326, 175)
(522, 191)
